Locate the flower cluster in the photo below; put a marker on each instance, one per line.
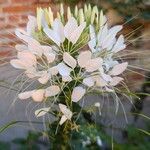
(69, 56)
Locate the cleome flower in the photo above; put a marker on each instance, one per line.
(64, 71)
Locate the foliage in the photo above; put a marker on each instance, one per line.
(127, 8)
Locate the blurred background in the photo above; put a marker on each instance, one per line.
(135, 17)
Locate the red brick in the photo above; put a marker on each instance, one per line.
(14, 18)
(24, 1)
(19, 9)
(3, 1)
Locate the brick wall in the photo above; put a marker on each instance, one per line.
(13, 14)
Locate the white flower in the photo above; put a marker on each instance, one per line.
(42, 111)
(118, 69)
(67, 114)
(88, 81)
(37, 95)
(56, 34)
(52, 91)
(25, 95)
(25, 60)
(63, 69)
(71, 31)
(78, 93)
(85, 61)
(69, 60)
(105, 39)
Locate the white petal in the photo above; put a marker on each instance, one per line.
(31, 25)
(35, 47)
(99, 81)
(52, 35)
(83, 58)
(119, 44)
(22, 35)
(21, 47)
(48, 52)
(53, 70)
(102, 35)
(69, 60)
(66, 78)
(38, 95)
(88, 81)
(93, 64)
(108, 89)
(52, 90)
(118, 69)
(44, 78)
(115, 81)
(63, 119)
(28, 58)
(41, 112)
(31, 72)
(77, 94)
(59, 29)
(63, 69)
(77, 33)
(25, 95)
(16, 63)
(70, 27)
(65, 111)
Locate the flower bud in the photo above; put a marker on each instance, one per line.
(93, 16)
(39, 18)
(81, 16)
(76, 11)
(61, 9)
(68, 13)
(85, 9)
(51, 18)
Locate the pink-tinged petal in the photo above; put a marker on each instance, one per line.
(25, 95)
(99, 81)
(93, 64)
(44, 78)
(115, 81)
(53, 70)
(49, 53)
(77, 33)
(69, 60)
(88, 81)
(66, 78)
(35, 47)
(22, 35)
(63, 108)
(63, 69)
(50, 57)
(38, 95)
(83, 58)
(52, 91)
(21, 47)
(27, 57)
(62, 120)
(31, 72)
(118, 69)
(77, 94)
(16, 63)
(41, 112)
